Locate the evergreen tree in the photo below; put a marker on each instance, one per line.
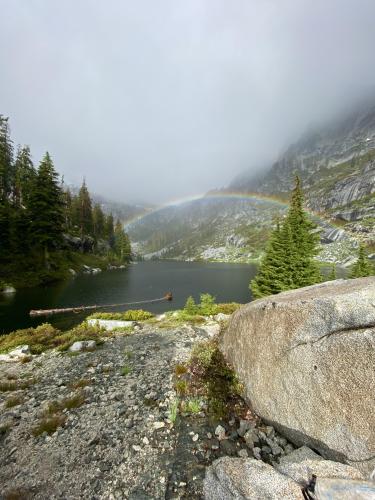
(6, 186)
(24, 176)
(363, 266)
(305, 241)
(46, 208)
(122, 243)
(98, 218)
(68, 200)
(288, 261)
(190, 306)
(85, 211)
(6, 160)
(109, 231)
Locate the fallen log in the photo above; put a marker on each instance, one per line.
(48, 312)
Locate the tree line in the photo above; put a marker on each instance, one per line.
(36, 211)
(288, 262)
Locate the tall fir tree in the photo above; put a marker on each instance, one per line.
(25, 174)
(363, 267)
(46, 208)
(122, 243)
(6, 186)
(109, 231)
(6, 160)
(305, 241)
(98, 219)
(85, 211)
(288, 261)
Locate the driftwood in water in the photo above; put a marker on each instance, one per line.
(48, 312)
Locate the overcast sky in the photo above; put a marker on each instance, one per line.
(156, 100)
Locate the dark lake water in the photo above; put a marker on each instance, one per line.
(141, 281)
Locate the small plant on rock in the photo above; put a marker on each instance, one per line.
(173, 410)
(125, 370)
(181, 387)
(13, 401)
(193, 406)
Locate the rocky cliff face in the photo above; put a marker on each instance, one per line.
(337, 166)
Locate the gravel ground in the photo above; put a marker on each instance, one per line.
(119, 443)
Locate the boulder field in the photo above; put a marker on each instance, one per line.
(307, 361)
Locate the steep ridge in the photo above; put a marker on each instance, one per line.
(337, 165)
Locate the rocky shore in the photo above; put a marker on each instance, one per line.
(118, 438)
(102, 421)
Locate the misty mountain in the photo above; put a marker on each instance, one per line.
(232, 230)
(337, 165)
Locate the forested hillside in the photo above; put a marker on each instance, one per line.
(45, 230)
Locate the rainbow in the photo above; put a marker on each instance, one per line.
(255, 197)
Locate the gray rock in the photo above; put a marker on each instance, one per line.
(109, 325)
(245, 425)
(83, 345)
(344, 489)
(301, 471)
(313, 381)
(239, 479)
(220, 432)
(22, 350)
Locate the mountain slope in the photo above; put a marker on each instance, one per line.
(337, 166)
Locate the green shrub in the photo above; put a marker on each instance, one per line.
(130, 315)
(39, 338)
(190, 306)
(193, 406)
(228, 308)
(181, 387)
(212, 374)
(207, 305)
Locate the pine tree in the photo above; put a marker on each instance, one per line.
(190, 306)
(109, 231)
(85, 211)
(363, 266)
(6, 160)
(6, 185)
(305, 241)
(24, 176)
(122, 243)
(68, 200)
(288, 261)
(46, 208)
(98, 222)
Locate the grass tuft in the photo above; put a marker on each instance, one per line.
(13, 401)
(49, 424)
(130, 315)
(125, 370)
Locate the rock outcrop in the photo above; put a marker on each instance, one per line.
(306, 358)
(250, 479)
